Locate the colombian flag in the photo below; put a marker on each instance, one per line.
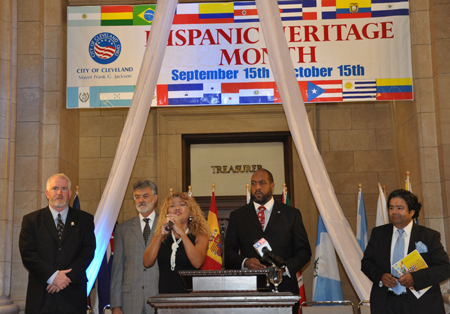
(213, 260)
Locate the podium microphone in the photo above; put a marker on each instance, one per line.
(169, 226)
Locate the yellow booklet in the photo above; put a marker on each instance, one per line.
(409, 264)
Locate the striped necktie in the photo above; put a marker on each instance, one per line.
(60, 227)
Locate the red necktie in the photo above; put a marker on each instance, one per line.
(261, 216)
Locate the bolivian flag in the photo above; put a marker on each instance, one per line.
(117, 15)
(213, 260)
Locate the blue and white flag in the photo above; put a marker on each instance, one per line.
(361, 223)
(327, 283)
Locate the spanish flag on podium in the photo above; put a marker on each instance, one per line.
(213, 260)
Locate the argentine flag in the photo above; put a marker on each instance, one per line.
(361, 224)
(327, 283)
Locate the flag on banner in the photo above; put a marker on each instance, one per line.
(83, 16)
(211, 13)
(213, 260)
(104, 277)
(188, 94)
(382, 8)
(321, 91)
(392, 89)
(357, 90)
(115, 15)
(245, 12)
(101, 96)
(143, 14)
(186, 13)
(248, 93)
(382, 215)
(361, 223)
(290, 10)
(349, 9)
(327, 283)
(319, 9)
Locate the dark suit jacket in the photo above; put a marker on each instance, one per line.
(285, 233)
(43, 254)
(376, 262)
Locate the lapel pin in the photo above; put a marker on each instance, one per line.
(279, 212)
(72, 224)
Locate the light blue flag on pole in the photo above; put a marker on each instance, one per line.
(361, 223)
(327, 283)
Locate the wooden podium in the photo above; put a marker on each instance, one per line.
(225, 292)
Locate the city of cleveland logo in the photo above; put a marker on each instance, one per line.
(105, 48)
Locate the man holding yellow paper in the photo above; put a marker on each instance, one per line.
(392, 242)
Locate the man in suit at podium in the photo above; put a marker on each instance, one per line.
(131, 282)
(388, 244)
(281, 225)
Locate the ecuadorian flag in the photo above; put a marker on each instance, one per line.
(394, 89)
(351, 9)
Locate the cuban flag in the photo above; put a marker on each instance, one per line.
(361, 224)
(327, 283)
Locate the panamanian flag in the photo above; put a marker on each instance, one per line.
(327, 283)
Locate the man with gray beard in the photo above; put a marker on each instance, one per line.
(131, 282)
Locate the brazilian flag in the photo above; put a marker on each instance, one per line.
(143, 14)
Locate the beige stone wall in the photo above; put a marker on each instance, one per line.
(47, 133)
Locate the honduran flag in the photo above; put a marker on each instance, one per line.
(361, 223)
(213, 259)
(327, 283)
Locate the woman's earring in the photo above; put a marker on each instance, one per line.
(190, 219)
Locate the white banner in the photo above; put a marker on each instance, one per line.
(216, 54)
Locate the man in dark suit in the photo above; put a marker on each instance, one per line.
(57, 244)
(391, 294)
(131, 282)
(281, 225)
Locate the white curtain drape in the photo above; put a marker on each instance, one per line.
(112, 198)
(339, 230)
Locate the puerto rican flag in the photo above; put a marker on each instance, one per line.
(321, 91)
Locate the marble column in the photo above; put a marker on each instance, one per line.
(8, 87)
